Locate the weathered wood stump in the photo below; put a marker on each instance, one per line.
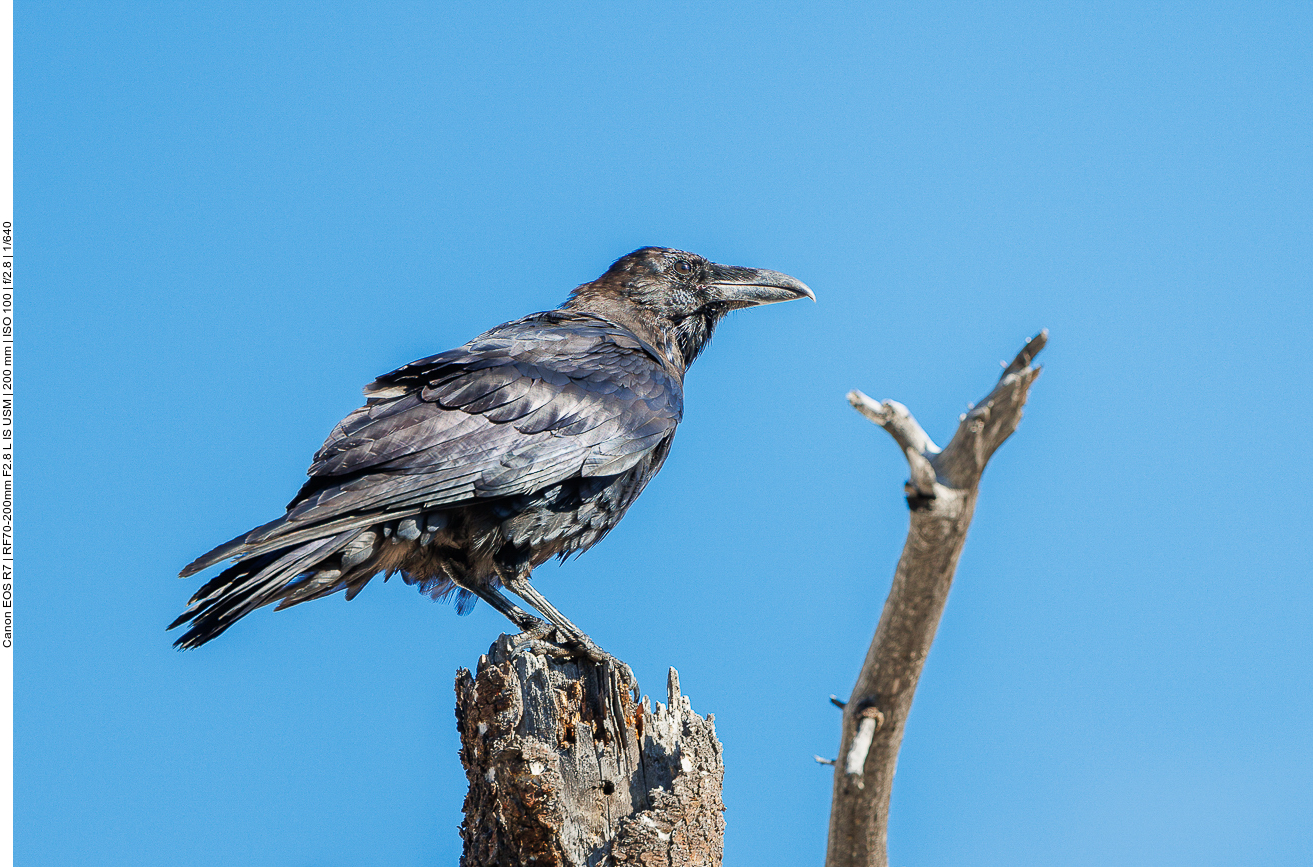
(567, 767)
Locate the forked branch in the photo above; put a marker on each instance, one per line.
(941, 493)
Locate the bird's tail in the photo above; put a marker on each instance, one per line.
(287, 575)
(303, 570)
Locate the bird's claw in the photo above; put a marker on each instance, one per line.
(543, 647)
(549, 640)
(534, 629)
(543, 638)
(586, 648)
(628, 681)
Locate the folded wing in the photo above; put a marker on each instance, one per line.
(523, 407)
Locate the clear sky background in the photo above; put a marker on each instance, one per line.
(232, 216)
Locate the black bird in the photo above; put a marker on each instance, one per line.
(465, 470)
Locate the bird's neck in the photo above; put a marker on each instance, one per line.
(644, 324)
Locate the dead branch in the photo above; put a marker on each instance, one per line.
(941, 493)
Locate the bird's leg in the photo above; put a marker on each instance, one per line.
(616, 676)
(525, 622)
(533, 630)
(520, 586)
(575, 637)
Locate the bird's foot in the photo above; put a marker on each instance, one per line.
(543, 638)
(585, 648)
(550, 640)
(533, 628)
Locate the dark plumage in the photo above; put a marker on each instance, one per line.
(465, 470)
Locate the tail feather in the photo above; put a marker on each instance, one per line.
(282, 534)
(250, 584)
(288, 564)
(231, 548)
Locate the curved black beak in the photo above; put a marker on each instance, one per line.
(752, 287)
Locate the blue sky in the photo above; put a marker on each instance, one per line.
(233, 216)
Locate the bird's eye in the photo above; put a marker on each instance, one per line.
(683, 267)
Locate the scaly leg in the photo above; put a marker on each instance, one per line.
(575, 637)
(526, 622)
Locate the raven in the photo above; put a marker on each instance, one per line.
(465, 470)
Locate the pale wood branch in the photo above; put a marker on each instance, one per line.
(941, 494)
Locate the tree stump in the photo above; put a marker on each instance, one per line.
(566, 766)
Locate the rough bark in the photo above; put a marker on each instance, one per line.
(567, 767)
(941, 494)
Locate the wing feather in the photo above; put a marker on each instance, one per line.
(526, 406)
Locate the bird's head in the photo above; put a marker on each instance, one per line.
(682, 295)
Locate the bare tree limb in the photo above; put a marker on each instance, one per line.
(567, 768)
(941, 494)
